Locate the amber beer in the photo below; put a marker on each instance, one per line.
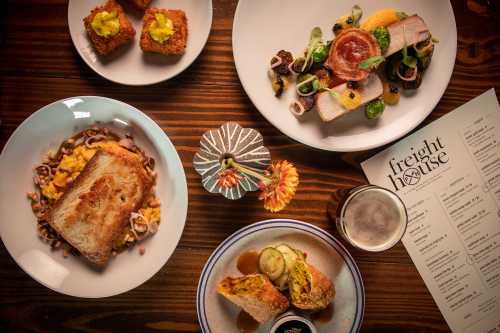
(371, 218)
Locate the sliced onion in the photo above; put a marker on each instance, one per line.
(277, 63)
(133, 217)
(411, 78)
(312, 92)
(423, 51)
(97, 137)
(46, 167)
(297, 108)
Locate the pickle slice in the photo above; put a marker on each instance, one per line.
(282, 281)
(289, 254)
(272, 263)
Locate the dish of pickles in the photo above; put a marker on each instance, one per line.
(348, 76)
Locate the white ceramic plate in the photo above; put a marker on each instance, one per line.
(46, 129)
(216, 314)
(129, 65)
(261, 28)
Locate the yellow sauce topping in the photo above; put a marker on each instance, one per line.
(350, 99)
(70, 167)
(161, 29)
(106, 24)
(151, 214)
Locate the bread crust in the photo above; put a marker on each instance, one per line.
(105, 45)
(91, 205)
(262, 302)
(176, 44)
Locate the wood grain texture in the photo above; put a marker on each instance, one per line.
(39, 65)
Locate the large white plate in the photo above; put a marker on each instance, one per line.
(46, 129)
(216, 314)
(261, 28)
(129, 65)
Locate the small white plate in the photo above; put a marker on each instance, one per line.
(46, 129)
(261, 28)
(129, 65)
(216, 314)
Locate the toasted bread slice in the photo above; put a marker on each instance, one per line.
(96, 207)
(309, 288)
(255, 294)
(175, 45)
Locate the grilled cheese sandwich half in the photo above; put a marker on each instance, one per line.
(309, 288)
(255, 294)
(93, 212)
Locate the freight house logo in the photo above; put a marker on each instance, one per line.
(422, 160)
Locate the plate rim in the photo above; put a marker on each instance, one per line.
(313, 142)
(283, 222)
(197, 53)
(185, 198)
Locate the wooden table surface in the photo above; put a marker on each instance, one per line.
(40, 65)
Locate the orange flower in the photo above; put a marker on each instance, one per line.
(279, 185)
(228, 178)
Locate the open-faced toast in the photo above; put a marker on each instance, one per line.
(94, 210)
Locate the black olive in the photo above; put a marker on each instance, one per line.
(281, 86)
(337, 27)
(393, 89)
(351, 95)
(286, 60)
(352, 84)
(298, 64)
(413, 84)
(307, 102)
(350, 20)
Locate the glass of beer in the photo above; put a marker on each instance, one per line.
(371, 218)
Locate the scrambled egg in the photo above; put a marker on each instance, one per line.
(151, 214)
(243, 285)
(300, 282)
(162, 28)
(70, 167)
(106, 24)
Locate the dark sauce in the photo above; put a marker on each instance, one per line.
(248, 262)
(323, 316)
(245, 323)
(293, 326)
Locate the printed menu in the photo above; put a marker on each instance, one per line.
(448, 176)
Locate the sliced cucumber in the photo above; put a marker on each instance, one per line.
(300, 253)
(282, 281)
(272, 263)
(289, 254)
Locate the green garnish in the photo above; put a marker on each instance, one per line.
(371, 63)
(314, 39)
(356, 14)
(383, 37)
(307, 84)
(320, 52)
(401, 15)
(374, 109)
(407, 60)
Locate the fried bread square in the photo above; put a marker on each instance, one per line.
(105, 45)
(176, 44)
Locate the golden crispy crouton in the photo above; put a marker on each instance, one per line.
(105, 45)
(176, 44)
